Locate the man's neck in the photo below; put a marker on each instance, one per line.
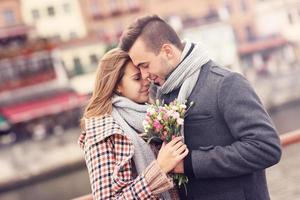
(182, 54)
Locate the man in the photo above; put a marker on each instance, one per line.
(229, 134)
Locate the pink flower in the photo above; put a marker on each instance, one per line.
(166, 116)
(157, 125)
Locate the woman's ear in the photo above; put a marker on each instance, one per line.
(118, 90)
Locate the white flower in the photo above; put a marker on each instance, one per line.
(145, 123)
(183, 106)
(180, 121)
(170, 112)
(159, 117)
(176, 115)
(175, 108)
(151, 110)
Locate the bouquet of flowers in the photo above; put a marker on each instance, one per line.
(164, 121)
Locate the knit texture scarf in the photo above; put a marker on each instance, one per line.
(186, 73)
(130, 115)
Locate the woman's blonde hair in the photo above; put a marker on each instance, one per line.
(110, 72)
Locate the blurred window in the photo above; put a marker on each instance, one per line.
(113, 6)
(243, 4)
(51, 11)
(78, 69)
(35, 14)
(132, 4)
(73, 35)
(9, 17)
(67, 8)
(290, 17)
(228, 7)
(93, 59)
(95, 9)
(56, 37)
(250, 33)
(24, 71)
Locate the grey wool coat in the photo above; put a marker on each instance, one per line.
(230, 136)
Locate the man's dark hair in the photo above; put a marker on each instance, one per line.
(153, 30)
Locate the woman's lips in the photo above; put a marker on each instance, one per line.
(146, 90)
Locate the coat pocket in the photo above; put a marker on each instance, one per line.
(206, 148)
(198, 118)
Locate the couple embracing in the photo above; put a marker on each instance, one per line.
(227, 142)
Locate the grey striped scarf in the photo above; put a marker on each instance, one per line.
(130, 115)
(186, 73)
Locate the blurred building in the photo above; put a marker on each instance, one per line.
(12, 27)
(56, 19)
(35, 93)
(224, 50)
(82, 55)
(272, 55)
(273, 49)
(241, 15)
(81, 58)
(279, 17)
(108, 18)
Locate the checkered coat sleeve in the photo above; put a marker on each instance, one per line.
(108, 159)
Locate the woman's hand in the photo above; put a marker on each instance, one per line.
(171, 154)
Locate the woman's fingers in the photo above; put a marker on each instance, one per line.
(174, 141)
(177, 145)
(184, 154)
(181, 149)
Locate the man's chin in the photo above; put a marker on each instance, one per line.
(159, 82)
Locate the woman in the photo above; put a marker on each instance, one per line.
(120, 164)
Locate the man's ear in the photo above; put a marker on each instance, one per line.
(167, 50)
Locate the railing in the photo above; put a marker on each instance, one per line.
(285, 140)
(290, 138)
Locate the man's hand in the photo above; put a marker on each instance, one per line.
(179, 169)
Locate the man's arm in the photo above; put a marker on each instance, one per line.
(257, 144)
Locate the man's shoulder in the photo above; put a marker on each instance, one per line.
(220, 74)
(220, 71)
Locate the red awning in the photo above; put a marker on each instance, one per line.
(42, 107)
(261, 45)
(14, 31)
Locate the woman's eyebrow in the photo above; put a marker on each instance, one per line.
(138, 73)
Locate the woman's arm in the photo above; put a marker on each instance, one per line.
(111, 172)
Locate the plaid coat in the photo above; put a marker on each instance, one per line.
(108, 155)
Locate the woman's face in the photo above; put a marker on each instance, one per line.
(133, 86)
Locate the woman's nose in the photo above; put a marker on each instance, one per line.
(146, 82)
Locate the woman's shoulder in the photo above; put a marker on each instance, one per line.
(101, 127)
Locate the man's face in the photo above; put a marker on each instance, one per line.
(152, 66)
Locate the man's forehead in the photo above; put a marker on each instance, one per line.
(138, 53)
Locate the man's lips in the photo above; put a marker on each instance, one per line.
(154, 80)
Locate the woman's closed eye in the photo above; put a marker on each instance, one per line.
(137, 77)
(144, 65)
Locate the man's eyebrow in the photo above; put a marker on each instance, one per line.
(139, 65)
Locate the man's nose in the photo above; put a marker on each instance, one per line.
(145, 73)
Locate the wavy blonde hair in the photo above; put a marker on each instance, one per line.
(110, 72)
